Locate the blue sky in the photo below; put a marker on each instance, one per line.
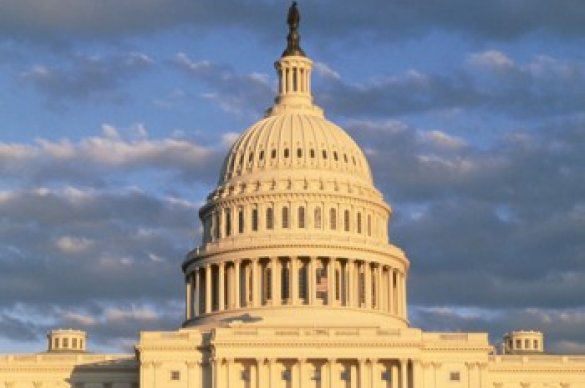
(115, 116)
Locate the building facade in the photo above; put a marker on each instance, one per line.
(296, 284)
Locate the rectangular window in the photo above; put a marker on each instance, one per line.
(301, 217)
(285, 221)
(254, 219)
(359, 222)
(269, 218)
(228, 222)
(175, 375)
(303, 283)
(455, 376)
(241, 221)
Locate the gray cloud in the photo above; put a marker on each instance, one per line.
(489, 82)
(86, 79)
(502, 20)
(100, 159)
(235, 93)
(563, 328)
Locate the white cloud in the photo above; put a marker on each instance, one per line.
(72, 245)
(492, 59)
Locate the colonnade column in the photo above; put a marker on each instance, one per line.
(403, 291)
(368, 284)
(331, 297)
(294, 281)
(208, 288)
(312, 282)
(221, 286)
(380, 289)
(192, 373)
(349, 282)
(230, 378)
(394, 375)
(404, 373)
(197, 297)
(237, 290)
(391, 291)
(301, 364)
(417, 374)
(274, 281)
(255, 283)
(188, 298)
(362, 373)
(332, 368)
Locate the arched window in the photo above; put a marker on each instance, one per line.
(269, 218)
(241, 220)
(346, 220)
(332, 219)
(301, 217)
(285, 221)
(318, 218)
(359, 222)
(254, 219)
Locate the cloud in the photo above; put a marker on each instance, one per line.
(240, 94)
(97, 158)
(562, 327)
(44, 20)
(492, 226)
(489, 81)
(85, 78)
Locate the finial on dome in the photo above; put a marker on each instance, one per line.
(293, 38)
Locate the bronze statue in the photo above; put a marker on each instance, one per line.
(293, 38)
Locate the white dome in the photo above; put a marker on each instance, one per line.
(295, 143)
(295, 229)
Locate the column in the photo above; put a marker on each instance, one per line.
(391, 291)
(255, 283)
(294, 280)
(197, 285)
(216, 373)
(417, 374)
(229, 365)
(208, 288)
(483, 378)
(237, 286)
(381, 298)
(259, 372)
(188, 300)
(403, 290)
(368, 284)
(362, 373)
(374, 377)
(301, 364)
(311, 281)
(394, 375)
(331, 282)
(274, 295)
(332, 368)
(436, 366)
(221, 286)
(272, 378)
(473, 374)
(192, 374)
(404, 373)
(350, 293)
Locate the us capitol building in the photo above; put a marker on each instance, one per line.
(295, 283)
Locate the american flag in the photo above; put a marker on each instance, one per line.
(321, 284)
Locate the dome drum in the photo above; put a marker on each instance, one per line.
(218, 290)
